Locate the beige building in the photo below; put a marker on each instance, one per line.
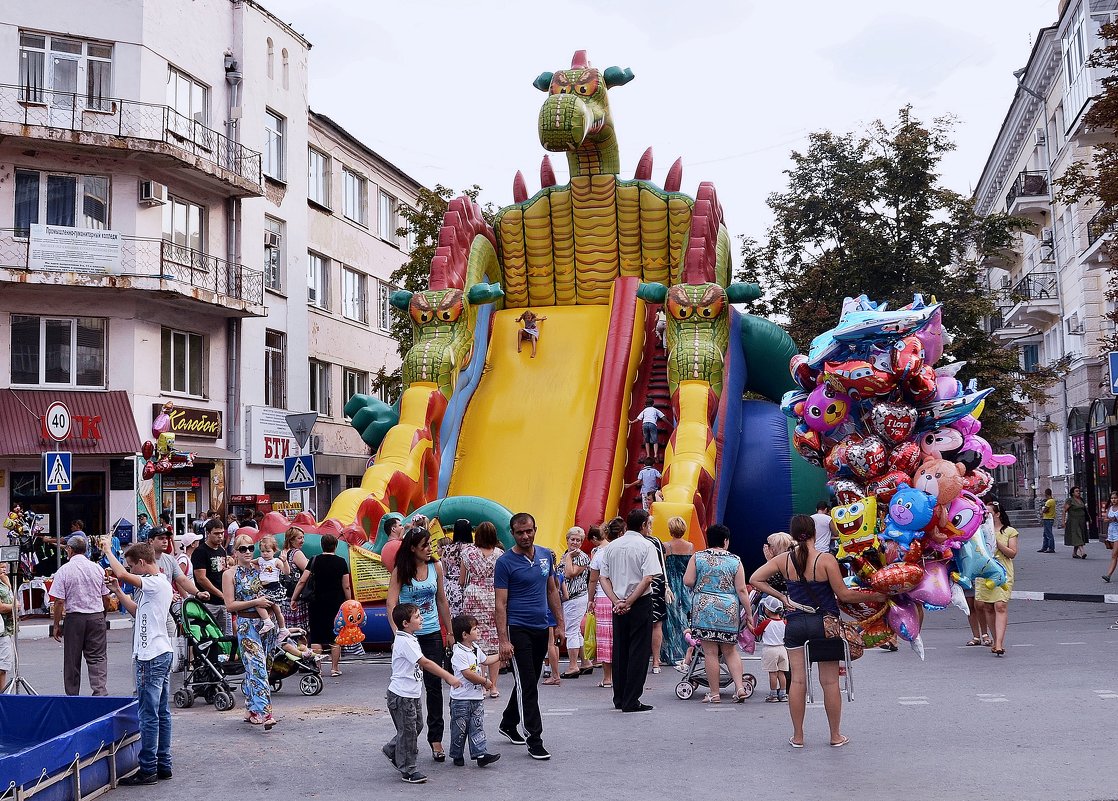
(1051, 285)
(355, 199)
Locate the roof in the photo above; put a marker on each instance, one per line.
(102, 423)
(356, 143)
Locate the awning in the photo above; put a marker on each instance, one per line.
(102, 423)
(205, 451)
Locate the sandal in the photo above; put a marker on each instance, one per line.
(495, 694)
(605, 684)
(269, 722)
(552, 681)
(335, 673)
(438, 756)
(739, 698)
(794, 744)
(840, 743)
(586, 671)
(573, 675)
(974, 641)
(712, 698)
(997, 651)
(987, 640)
(656, 671)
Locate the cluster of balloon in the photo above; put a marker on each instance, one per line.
(160, 456)
(899, 439)
(21, 526)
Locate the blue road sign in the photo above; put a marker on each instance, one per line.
(298, 472)
(56, 470)
(1113, 373)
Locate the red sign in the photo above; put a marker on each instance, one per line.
(82, 426)
(1101, 453)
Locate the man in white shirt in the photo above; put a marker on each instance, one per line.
(824, 527)
(628, 566)
(78, 590)
(151, 650)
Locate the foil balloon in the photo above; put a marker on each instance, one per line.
(934, 590)
(876, 631)
(826, 408)
(978, 482)
(907, 357)
(147, 449)
(859, 378)
(932, 337)
(904, 618)
(940, 478)
(792, 403)
(847, 491)
(897, 578)
(964, 517)
(162, 422)
(867, 457)
(835, 461)
(148, 471)
(856, 524)
(945, 412)
(884, 487)
(910, 511)
(802, 374)
(921, 385)
(893, 422)
(861, 610)
(959, 599)
(347, 624)
(941, 443)
(905, 457)
(808, 445)
(974, 562)
(917, 645)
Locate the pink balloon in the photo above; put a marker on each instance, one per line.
(931, 337)
(934, 590)
(904, 619)
(160, 425)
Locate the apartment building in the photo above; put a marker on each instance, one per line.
(1051, 285)
(355, 199)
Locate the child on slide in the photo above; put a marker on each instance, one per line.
(529, 331)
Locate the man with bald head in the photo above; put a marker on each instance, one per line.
(78, 590)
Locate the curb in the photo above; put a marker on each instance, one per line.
(41, 631)
(1086, 598)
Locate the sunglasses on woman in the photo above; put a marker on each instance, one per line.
(244, 548)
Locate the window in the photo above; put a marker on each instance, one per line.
(60, 351)
(1030, 358)
(353, 202)
(189, 99)
(386, 207)
(183, 363)
(273, 254)
(320, 388)
(75, 201)
(65, 72)
(318, 169)
(274, 159)
(354, 305)
(356, 382)
(275, 369)
(184, 224)
(409, 237)
(384, 308)
(318, 281)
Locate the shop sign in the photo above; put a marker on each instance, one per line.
(287, 508)
(82, 426)
(191, 422)
(1101, 452)
(74, 250)
(270, 438)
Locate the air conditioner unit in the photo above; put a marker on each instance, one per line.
(1074, 326)
(1046, 235)
(316, 443)
(1040, 137)
(271, 240)
(152, 193)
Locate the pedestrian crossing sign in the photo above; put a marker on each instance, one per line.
(298, 472)
(56, 469)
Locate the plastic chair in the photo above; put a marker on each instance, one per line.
(827, 651)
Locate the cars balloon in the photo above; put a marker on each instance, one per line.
(802, 373)
(807, 444)
(859, 378)
(907, 357)
(884, 487)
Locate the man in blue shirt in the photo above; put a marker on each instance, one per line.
(524, 587)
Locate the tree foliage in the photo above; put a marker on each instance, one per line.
(423, 223)
(866, 212)
(1095, 180)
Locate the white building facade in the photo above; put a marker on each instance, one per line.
(1051, 286)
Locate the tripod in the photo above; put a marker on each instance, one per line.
(16, 681)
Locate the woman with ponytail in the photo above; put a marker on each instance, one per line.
(815, 586)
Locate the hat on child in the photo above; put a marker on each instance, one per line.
(772, 604)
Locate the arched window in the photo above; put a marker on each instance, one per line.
(271, 57)
(283, 53)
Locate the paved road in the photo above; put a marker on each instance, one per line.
(1058, 572)
(1036, 724)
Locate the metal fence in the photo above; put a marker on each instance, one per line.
(157, 258)
(1097, 229)
(79, 111)
(1027, 184)
(1036, 286)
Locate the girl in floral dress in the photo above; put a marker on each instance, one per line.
(244, 595)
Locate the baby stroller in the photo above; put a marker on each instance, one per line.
(695, 674)
(288, 666)
(211, 658)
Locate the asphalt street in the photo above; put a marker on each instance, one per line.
(1036, 724)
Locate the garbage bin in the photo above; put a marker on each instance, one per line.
(123, 531)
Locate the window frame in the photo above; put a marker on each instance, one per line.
(275, 357)
(362, 297)
(318, 291)
(166, 373)
(81, 196)
(388, 217)
(320, 183)
(320, 384)
(275, 259)
(41, 353)
(360, 185)
(42, 94)
(275, 140)
(384, 307)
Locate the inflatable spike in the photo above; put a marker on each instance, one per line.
(644, 166)
(547, 173)
(675, 176)
(519, 189)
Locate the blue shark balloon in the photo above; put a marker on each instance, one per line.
(973, 561)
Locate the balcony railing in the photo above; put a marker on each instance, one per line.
(81, 112)
(157, 258)
(1027, 184)
(1097, 229)
(1035, 286)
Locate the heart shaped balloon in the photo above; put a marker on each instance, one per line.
(148, 471)
(978, 482)
(894, 422)
(906, 457)
(847, 491)
(904, 618)
(148, 449)
(934, 590)
(867, 458)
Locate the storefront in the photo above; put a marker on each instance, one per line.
(104, 443)
(1103, 431)
(1083, 468)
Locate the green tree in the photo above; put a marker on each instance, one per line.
(866, 212)
(1095, 180)
(423, 224)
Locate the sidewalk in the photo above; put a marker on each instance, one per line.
(1058, 577)
(38, 628)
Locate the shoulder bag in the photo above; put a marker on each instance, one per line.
(307, 595)
(835, 628)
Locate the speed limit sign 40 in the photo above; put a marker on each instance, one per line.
(56, 422)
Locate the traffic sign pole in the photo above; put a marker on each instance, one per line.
(58, 477)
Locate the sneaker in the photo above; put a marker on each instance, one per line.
(640, 708)
(1106, 579)
(414, 778)
(138, 779)
(783, 699)
(268, 626)
(772, 699)
(163, 774)
(458, 762)
(512, 735)
(538, 752)
(488, 759)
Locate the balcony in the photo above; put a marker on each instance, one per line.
(1001, 259)
(1028, 197)
(108, 126)
(1099, 234)
(1033, 303)
(175, 273)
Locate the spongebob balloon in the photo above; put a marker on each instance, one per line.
(857, 526)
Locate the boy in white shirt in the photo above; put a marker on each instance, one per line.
(404, 691)
(649, 479)
(151, 650)
(649, 417)
(774, 656)
(466, 711)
